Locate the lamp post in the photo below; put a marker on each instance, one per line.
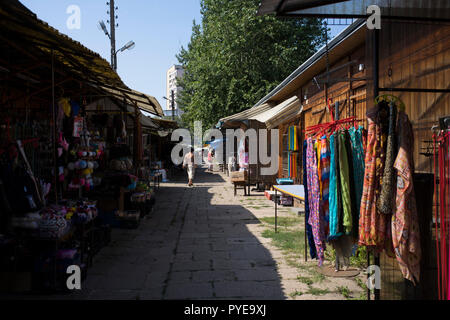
(112, 34)
(172, 103)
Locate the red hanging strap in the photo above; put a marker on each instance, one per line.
(435, 140)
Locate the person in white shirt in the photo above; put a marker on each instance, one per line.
(188, 163)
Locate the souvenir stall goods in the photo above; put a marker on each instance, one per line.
(331, 161)
(37, 172)
(56, 221)
(389, 219)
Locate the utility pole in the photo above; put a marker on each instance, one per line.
(112, 23)
(173, 104)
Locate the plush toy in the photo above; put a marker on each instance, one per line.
(83, 164)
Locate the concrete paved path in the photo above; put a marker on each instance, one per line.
(195, 245)
(198, 243)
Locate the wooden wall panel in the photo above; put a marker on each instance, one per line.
(416, 55)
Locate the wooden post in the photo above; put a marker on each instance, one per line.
(137, 138)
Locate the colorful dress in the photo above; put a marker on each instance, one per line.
(405, 221)
(314, 201)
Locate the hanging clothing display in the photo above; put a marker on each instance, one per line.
(325, 179)
(309, 234)
(333, 194)
(389, 219)
(372, 225)
(345, 183)
(315, 218)
(293, 147)
(385, 202)
(331, 186)
(356, 136)
(405, 221)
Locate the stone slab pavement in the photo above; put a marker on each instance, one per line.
(198, 243)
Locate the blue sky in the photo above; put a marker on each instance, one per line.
(158, 27)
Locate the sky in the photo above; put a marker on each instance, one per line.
(158, 27)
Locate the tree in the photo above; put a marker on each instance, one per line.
(234, 58)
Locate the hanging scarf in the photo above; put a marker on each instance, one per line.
(373, 230)
(312, 246)
(340, 211)
(333, 193)
(345, 183)
(405, 221)
(358, 164)
(325, 178)
(385, 202)
(353, 213)
(314, 202)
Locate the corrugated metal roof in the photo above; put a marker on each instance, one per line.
(278, 6)
(247, 114)
(398, 9)
(27, 32)
(276, 115)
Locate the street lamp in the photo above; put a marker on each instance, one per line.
(130, 45)
(112, 34)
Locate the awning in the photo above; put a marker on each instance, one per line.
(394, 9)
(165, 124)
(247, 114)
(275, 116)
(22, 30)
(133, 97)
(146, 122)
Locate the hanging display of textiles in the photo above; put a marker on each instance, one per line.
(293, 138)
(312, 247)
(442, 213)
(334, 167)
(293, 148)
(388, 215)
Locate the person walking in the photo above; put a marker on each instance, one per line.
(189, 163)
(210, 159)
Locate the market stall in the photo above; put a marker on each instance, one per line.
(58, 161)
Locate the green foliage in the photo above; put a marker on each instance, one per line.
(345, 291)
(235, 57)
(289, 241)
(282, 221)
(317, 292)
(296, 294)
(305, 280)
(359, 260)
